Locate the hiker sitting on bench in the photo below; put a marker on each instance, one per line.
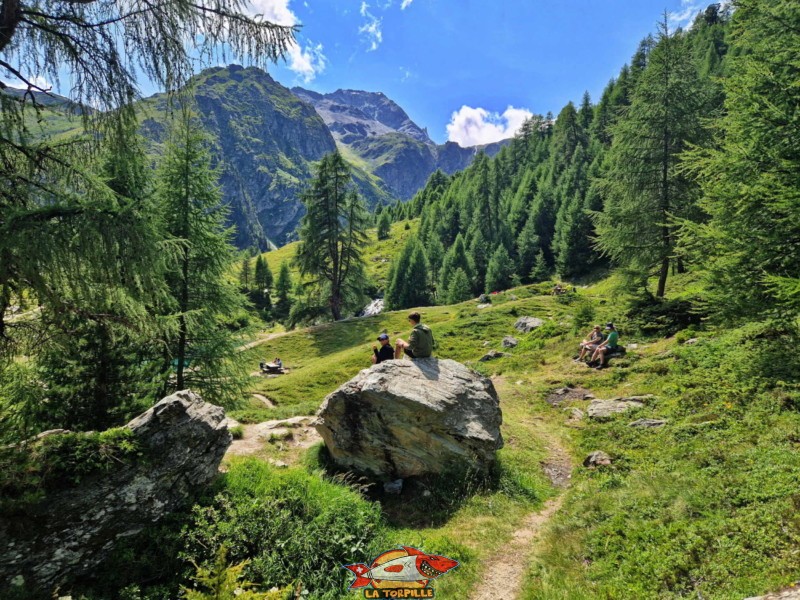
(609, 346)
(419, 344)
(590, 344)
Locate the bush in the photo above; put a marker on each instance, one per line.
(658, 317)
(292, 526)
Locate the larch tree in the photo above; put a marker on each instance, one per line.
(645, 189)
(333, 232)
(204, 298)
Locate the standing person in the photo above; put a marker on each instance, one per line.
(420, 342)
(591, 343)
(385, 352)
(606, 348)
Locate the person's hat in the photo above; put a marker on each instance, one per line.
(383, 336)
(609, 326)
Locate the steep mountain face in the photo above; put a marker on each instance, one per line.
(376, 133)
(265, 141)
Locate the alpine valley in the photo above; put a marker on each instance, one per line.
(266, 138)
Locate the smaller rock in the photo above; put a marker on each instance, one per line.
(648, 423)
(276, 434)
(575, 414)
(603, 409)
(278, 463)
(512, 297)
(393, 487)
(589, 396)
(691, 342)
(633, 346)
(491, 355)
(561, 391)
(510, 342)
(598, 458)
(483, 306)
(486, 344)
(527, 324)
(484, 299)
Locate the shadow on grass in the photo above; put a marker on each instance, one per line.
(432, 500)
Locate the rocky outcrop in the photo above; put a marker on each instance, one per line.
(598, 458)
(648, 423)
(527, 324)
(67, 533)
(406, 418)
(510, 342)
(491, 355)
(604, 409)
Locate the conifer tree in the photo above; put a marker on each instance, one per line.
(263, 274)
(459, 290)
(283, 292)
(541, 270)
(204, 298)
(644, 188)
(528, 248)
(479, 259)
(751, 179)
(455, 258)
(434, 250)
(384, 225)
(409, 281)
(333, 231)
(500, 271)
(245, 277)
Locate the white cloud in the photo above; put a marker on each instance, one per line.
(371, 29)
(308, 61)
(405, 4)
(36, 80)
(684, 17)
(477, 126)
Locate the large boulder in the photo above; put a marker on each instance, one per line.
(527, 324)
(407, 418)
(70, 531)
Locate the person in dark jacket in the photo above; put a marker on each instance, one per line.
(419, 344)
(384, 353)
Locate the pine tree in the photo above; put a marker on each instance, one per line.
(528, 248)
(203, 296)
(245, 276)
(455, 258)
(384, 225)
(283, 292)
(333, 231)
(263, 274)
(434, 250)
(751, 179)
(644, 189)
(409, 284)
(501, 270)
(479, 259)
(541, 270)
(459, 290)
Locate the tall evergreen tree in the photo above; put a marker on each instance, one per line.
(333, 231)
(409, 283)
(455, 258)
(384, 225)
(500, 272)
(263, 274)
(203, 296)
(459, 290)
(283, 292)
(245, 275)
(750, 180)
(644, 188)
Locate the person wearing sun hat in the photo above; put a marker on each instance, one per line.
(384, 353)
(609, 345)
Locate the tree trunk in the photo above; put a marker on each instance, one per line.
(662, 278)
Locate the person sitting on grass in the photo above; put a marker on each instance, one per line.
(609, 346)
(590, 344)
(419, 344)
(385, 352)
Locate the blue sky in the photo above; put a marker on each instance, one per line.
(434, 57)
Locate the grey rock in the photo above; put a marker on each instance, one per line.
(491, 355)
(575, 414)
(393, 487)
(512, 297)
(527, 324)
(407, 418)
(482, 306)
(604, 409)
(691, 342)
(649, 423)
(484, 299)
(792, 593)
(71, 530)
(510, 342)
(598, 458)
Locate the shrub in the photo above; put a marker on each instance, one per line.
(292, 526)
(658, 317)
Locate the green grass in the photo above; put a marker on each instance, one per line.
(378, 254)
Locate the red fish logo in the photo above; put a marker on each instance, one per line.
(406, 567)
